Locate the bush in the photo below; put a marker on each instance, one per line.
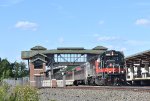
(4, 91)
(18, 93)
(24, 93)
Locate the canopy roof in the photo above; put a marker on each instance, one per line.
(38, 48)
(38, 54)
(66, 50)
(39, 59)
(100, 48)
(70, 48)
(145, 55)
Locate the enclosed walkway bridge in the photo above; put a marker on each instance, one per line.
(64, 55)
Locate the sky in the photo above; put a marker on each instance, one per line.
(122, 25)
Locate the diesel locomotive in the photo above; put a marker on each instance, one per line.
(107, 69)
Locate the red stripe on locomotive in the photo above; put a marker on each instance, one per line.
(108, 70)
(114, 69)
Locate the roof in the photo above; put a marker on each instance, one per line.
(100, 48)
(29, 54)
(38, 54)
(145, 55)
(73, 50)
(70, 68)
(70, 48)
(38, 48)
(38, 59)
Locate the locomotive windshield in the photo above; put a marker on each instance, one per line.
(112, 59)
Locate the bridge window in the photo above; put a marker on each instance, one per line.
(70, 57)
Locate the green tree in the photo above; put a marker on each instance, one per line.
(19, 70)
(4, 69)
(13, 70)
(24, 71)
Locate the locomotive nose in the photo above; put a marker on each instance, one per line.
(110, 63)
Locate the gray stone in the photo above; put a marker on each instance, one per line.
(91, 95)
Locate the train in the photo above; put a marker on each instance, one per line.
(107, 69)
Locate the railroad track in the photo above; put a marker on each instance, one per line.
(131, 88)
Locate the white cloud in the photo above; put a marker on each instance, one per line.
(26, 25)
(145, 22)
(61, 40)
(6, 3)
(106, 38)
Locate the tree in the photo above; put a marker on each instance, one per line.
(13, 70)
(4, 69)
(24, 71)
(19, 70)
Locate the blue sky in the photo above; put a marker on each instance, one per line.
(117, 24)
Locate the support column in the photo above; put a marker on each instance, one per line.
(132, 72)
(64, 79)
(73, 75)
(32, 80)
(146, 70)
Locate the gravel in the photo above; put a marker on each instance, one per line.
(56, 94)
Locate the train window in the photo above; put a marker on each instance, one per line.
(111, 58)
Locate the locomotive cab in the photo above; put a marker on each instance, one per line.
(110, 68)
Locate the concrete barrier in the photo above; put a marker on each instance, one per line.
(59, 83)
(56, 83)
(46, 83)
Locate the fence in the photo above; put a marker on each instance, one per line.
(39, 82)
(19, 81)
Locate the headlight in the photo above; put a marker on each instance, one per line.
(122, 71)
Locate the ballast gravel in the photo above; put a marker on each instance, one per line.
(56, 94)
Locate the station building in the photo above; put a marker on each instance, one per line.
(40, 60)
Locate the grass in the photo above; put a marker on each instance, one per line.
(18, 93)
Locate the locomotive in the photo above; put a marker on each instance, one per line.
(107, 69)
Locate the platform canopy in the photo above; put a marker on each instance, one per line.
(142, 57)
